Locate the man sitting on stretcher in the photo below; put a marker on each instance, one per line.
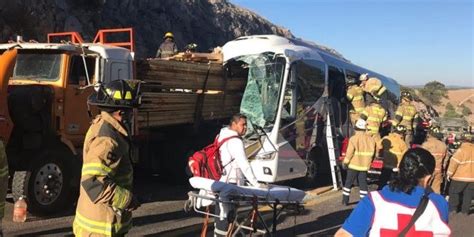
(236, 166)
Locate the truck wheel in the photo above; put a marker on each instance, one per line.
(317, 172)
(49, 185)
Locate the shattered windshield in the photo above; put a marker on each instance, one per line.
(261, 96)
(41, 67)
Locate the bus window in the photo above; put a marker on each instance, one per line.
(337, 93)
(306, 86)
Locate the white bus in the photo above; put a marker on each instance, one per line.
(294, 90)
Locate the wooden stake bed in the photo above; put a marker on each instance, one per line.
(182, 92)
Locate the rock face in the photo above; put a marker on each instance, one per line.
(208, 23)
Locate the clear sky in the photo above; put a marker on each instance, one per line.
(413, 41)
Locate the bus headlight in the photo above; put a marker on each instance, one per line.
(267, 171)
(266, 156)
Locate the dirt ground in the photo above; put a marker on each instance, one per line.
(455, 97)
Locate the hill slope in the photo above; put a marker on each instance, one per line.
(208, 23)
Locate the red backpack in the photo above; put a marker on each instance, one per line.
(207, 162)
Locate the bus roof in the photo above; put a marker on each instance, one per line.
(297, 49)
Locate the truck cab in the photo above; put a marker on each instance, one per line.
(47, 95)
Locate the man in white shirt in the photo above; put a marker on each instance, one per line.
(237, 169)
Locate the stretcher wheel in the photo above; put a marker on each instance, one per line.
(188, 205)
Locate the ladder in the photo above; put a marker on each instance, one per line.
(332, 145)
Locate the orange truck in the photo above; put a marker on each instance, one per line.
(44, 115)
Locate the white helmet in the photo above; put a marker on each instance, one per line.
(364, 77)
(361, 124)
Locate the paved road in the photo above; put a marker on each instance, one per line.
(162, 215)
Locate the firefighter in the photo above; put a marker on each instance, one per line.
(407, 116)
(3, 182)
(372, 85)
(359, 155)
(461, 174)
(355, 95)
(438, 149)
(392, 148)
(106, 201)
(168, 47)
(374, 114)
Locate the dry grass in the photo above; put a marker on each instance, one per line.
(455, 97)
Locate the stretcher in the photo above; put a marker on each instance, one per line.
(242, 206)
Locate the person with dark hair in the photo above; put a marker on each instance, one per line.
(389, 211)
(461, 174)
(359, 155)
(438, 149)
(237, 169)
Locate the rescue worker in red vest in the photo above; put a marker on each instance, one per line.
(106, 200)
(168, 47)
(372, 85)
(359, 155)
(461, 174)
(407, 116)
(438, 149)
(3, 182)
(392, 149)
(374, 114)
(355, 95)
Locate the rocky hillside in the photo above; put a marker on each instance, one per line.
(208, 23)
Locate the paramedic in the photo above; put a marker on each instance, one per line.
(237, 169)
(387, 212)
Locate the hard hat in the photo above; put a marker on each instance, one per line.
(168, 35)
(435, 129)
(406, 95)
(361, 124)
(399, 129)
(364, 77)
(117, 94)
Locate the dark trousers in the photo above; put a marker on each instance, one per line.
(351, 176)
(220, 226)
(456, 189)
(386, 175)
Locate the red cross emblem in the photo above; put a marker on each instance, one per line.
(403, 221)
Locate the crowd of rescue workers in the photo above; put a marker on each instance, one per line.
(414, 180)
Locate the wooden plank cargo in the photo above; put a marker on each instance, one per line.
(184, 92)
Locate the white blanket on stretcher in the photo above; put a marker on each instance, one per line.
(209, 187)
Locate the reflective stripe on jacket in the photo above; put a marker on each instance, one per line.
(3, 178)
(461, 165)
(360, 151)
(392, 148)
(375, 114)
(106, 181)
(406, 115)
(355, 95)
(438, 149)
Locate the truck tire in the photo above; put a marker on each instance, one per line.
(51, 184)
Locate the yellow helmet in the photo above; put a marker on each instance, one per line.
(168, 35)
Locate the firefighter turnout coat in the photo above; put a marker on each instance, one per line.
(375, 114)
(392, 148)
(106, 180)
(461, 165)
(406, 115)
(355, 95)
(3, 179)
(374, 86)
(438, 149)
(360, 151)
